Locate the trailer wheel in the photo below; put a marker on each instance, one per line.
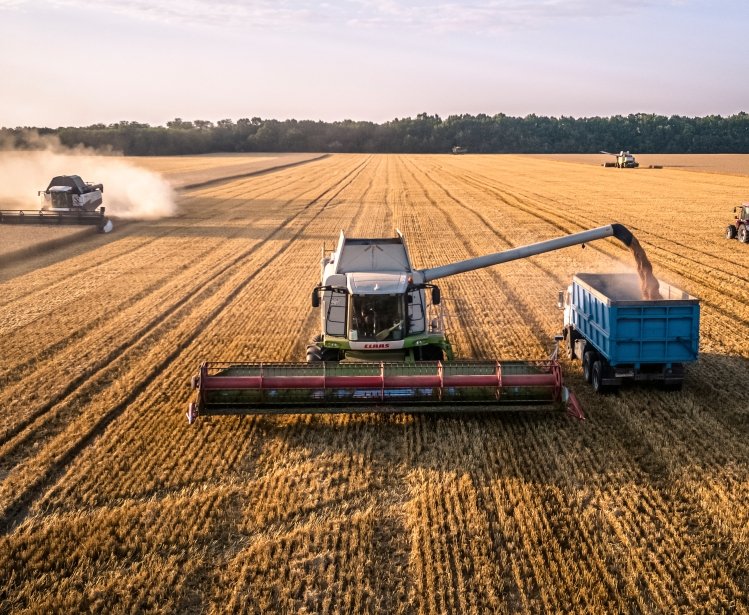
(743, 234)
(572, 337)
(730, 232)
(588, 358)
(596, 377)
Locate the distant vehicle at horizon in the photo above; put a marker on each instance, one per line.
(624, 160)
(458, 149)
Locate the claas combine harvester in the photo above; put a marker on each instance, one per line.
(383, 345)
(67, 200)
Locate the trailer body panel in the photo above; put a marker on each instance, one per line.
(608, 311)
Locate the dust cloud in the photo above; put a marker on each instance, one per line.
(129, 191)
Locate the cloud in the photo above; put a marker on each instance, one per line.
(451, 16)
(494, 15)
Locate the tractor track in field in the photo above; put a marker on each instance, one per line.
(539, 198)
(227, 178)
(80, 332)
(141, 332)
(121, 506)
(370, 184)
(210, 278)
(508, 244)
(552, 218)
(124, 252)
(535, 325)
(301, 343)
(731, 422)
(459, 313)
(14, 513)
(650, 464)
(540, 201)
(648, 457)
(133, 228)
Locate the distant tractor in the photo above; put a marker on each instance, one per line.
(457, 149)
(624, 160)
(740, 227)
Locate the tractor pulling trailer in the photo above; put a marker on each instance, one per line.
(382, 344)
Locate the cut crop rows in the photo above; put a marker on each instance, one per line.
(110, 501)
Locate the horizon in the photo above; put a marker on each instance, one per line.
(355, 120)
(68, 63)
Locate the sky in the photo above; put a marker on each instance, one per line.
(76, 63)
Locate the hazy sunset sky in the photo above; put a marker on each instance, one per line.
(69, 62)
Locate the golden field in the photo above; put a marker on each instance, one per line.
(189, 170)
(109, 501)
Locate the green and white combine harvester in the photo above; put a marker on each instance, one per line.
(383, 345)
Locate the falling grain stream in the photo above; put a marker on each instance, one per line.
(648, 283)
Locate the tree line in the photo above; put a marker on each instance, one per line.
(641, 133)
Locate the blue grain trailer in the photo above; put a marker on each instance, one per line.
(620, 336)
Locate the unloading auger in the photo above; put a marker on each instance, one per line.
(383, 345)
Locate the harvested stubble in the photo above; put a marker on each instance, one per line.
(109, 501)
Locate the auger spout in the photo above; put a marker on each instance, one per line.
(618, 231)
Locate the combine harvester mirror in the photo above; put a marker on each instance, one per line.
(382, 345)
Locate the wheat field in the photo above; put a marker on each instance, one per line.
(109, 501)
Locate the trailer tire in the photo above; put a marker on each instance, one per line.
(596, 377)
(588, 359)
(730, 232)
(571, 338)
(743, 234)
(570, 348)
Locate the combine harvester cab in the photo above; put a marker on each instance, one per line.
(67, 200)
(382, 345)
